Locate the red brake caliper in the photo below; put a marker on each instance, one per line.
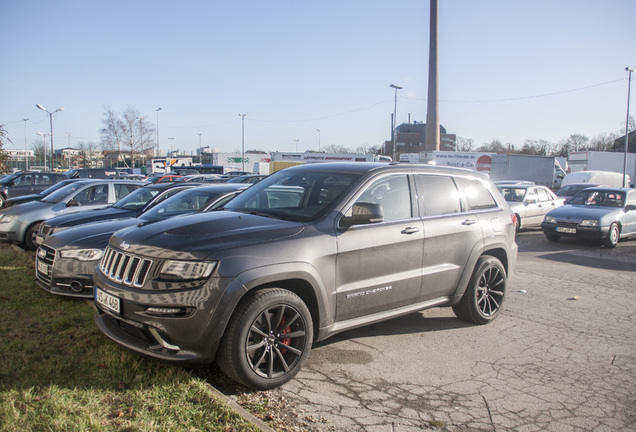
(286, 341)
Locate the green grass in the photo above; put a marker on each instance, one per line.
(59, 373)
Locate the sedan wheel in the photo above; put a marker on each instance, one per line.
(485, 294)
(612, 236)
(268, 339)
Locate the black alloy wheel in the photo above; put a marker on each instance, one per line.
(485, 294)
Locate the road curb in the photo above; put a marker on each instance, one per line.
(242, 411)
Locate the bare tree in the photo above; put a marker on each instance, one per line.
(4, 157)
(86, 152)
(578, 142)
(494, 146)
(535, 147)
(338, 149)
(465, 144)
(130, 130)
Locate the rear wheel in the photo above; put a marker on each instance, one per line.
(267, 340)
(518, 224)
(1, 201)
(485, 294)
(612, 236)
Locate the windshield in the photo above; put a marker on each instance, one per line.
(511, 194)
(600, 198)
(63, 192)
(137, 199)
(294, 195)
(8, 179)
(55, 187)
(187, 201)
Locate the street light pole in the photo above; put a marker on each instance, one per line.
(44, 134)
(318, 140)
(68, 151)
(396, 87)
(26, 149)
(51, 119)
(629, 86)
(243, 141)
(158, 151)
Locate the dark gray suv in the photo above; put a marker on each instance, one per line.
(308, 252)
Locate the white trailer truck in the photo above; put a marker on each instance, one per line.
(543, 170)
(603, 161)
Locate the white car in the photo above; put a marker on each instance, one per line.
(530, 203)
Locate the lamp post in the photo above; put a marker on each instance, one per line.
(296, 140)
(318, 140)
(44, 134)
(396, 87)
(51, 119)
(68, 151)
(26, 149)
(158, 151)
(141, 140)
(243, 141)
(629, 86)
(171, 141)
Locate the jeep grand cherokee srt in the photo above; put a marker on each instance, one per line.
(308, 252)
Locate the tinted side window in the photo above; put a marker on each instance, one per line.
(121, 190)
(93, 195)
(438, 195)
(475, 194)
(24, 180)
(393, 194)
(43, 179)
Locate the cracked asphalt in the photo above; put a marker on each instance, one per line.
(560, 357)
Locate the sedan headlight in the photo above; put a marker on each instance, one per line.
(4, 218)
(83, 254)
(550, 219)
(186, 270)
(590, 223)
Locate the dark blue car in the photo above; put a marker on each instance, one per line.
(602, 214)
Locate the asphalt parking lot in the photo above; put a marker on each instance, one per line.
(561, 357)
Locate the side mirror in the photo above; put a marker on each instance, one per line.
(73, 203)
(363, 213)
(630, 207)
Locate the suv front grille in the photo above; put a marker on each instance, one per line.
(44, 264)
(124, 268)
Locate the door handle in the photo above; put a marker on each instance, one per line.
(469, 222)
(410, 230)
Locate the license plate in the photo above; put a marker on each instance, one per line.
(566, 230)
(108, 301)
(43, 268)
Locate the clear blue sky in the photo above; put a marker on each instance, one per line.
(509, 69)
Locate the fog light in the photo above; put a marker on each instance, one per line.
(166, 311)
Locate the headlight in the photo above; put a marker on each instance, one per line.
(6, 218)
(57, 229)
(590, 223)
(186, 270)
(83, 254)
(550, 219)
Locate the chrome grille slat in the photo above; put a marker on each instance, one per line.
(124, 268)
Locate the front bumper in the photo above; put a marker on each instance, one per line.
(587, 233)
(188, 337)
(66, 277)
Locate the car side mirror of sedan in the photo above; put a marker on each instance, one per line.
(630, 207)
(363, 213)
(73, 203)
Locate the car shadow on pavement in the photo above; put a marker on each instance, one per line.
(609, 263)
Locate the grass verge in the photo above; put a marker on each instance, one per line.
(59, 373)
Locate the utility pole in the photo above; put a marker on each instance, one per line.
(432, 138)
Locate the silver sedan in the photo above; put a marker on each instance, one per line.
(530, 203)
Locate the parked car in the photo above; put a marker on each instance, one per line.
(98, 173)
(308, 252)
(212, 178)
(252, 178)
(568, 191)
(163, 178)
(66, 260)
(19, 224)
(530, 203)
(27, 183)
(237, 173)
(131, 205)
(602, 214)
(38, 196)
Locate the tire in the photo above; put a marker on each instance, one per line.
(268, 339)
(29, 237)
(552, 237)
(612, 236)
(1, 201)
(485, 294)
(518, 224)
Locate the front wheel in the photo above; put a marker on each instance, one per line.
(612, 236)
(267, 340)
(29, 237)
(485, 294)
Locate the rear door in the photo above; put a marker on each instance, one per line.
(22, 185)
(451, 231)
(378, 266)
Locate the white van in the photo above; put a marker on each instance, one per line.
(609, 178)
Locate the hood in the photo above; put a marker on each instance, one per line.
(90, 216)
(582, 212)
(94, 235)
(198, 235)
(27, 207)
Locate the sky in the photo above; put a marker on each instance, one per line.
(310, 74)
